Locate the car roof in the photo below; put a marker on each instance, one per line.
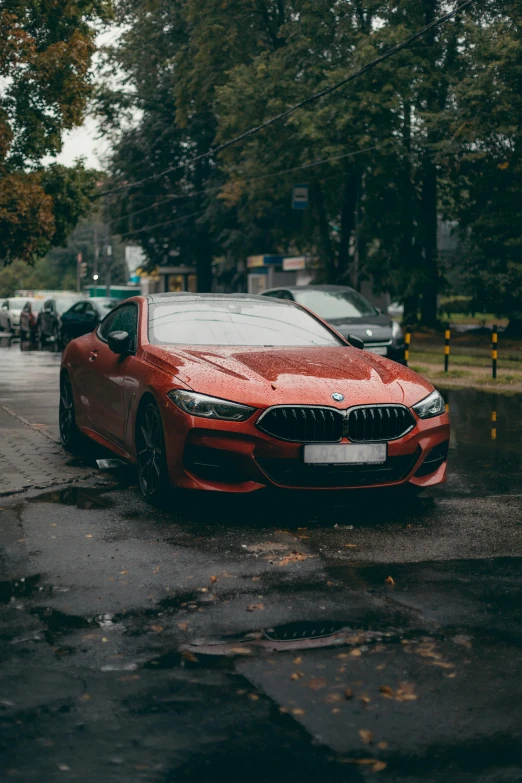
(185, 296)
(318, 287)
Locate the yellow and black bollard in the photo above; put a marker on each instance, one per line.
(494, 351)
(493, 425)
(407, 341)
(447, 337)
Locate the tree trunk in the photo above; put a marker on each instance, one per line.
(430, 277)
(325, 242)
(204, 266)
(348, 207)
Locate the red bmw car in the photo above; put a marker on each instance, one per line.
(235, 393)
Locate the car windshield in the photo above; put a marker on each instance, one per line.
(335, 304)
(106, 304)
(16, 303)
(63, 303)
(241, 323)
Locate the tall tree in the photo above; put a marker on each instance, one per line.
(45, 54)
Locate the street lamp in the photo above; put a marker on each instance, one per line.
(95, 277)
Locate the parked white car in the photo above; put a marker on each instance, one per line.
(10, 311)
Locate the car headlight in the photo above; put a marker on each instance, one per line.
(396, 332)
(432, 405)
(210, 407)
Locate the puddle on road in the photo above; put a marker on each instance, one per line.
(23, 587)
(85, 498)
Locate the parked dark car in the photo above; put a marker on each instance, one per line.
(29, 319)
(83, 317)
(50, 318)
(349, 313)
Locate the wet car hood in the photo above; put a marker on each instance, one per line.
(379, 325)
(307, 376)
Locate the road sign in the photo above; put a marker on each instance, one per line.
(300, 197)
(294, 263)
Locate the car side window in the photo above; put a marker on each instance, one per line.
(88, 308)
(286, 295)
(124, 319)
(273, 294)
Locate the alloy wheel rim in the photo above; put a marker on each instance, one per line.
(66, 412)
(150, 452)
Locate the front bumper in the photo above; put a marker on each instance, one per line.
(233, 457)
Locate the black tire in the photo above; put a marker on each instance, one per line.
(71, 437)
(150, 453)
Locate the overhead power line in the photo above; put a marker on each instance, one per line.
(305, 102)
(280, 172)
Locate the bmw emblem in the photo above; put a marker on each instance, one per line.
(337, 396)
(369, 332)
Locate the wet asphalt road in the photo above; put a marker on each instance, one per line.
(276, 637)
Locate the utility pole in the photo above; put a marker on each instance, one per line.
(108, 262)
(96, 256)
(79, 259)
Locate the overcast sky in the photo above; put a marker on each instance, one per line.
(82, 142)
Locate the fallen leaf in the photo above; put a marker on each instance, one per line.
(256, 578)
(241, 650)
(213, 579)
(451, 675)
(335, 710)
(365, 699)
(332, 698)
(443, 664)
(298, 660)
(255, 607)
(351, 546)
(387, 692)
(63, 767)
(85, 697)
(156, 628)
(123, 572)
(405, 692)
(188, 656)
(155, 570)
(183, 626)
(104, 639)
(355, 653)
(253, 696)
(283, 710)
(382, 745)
(366, 736)
(296, 675)
(389, 580)
(298, 711)
(348, 693)
(343, 655)
(129, 678)
(317, 683)
(379, 766)
(293, 558)
(202, 589)
(89, 535)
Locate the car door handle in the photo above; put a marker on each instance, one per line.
(93, 355)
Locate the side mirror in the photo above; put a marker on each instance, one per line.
(355, 342)
(119, 342)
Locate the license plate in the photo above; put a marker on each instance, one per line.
(345, 453)
(380, 350)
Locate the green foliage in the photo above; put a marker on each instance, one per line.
(45, 54)
(432, 133)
